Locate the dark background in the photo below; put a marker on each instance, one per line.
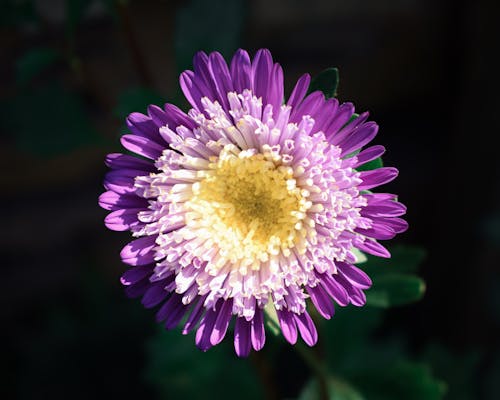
(72, 70)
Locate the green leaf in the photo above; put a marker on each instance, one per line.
(360, 256)
(337, 390)
(404, 259)
(374, 164)
(327, 82)
(272, 319)
(395, 290)
(33, 62)
(402, 380)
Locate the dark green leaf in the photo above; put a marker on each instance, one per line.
(402, 380)
(374, 164)
(327, 82)
(33, 62)
(404, 259)
(394, 290)
(337, 390)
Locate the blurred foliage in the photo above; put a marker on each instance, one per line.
(208, 25)
(47, 121)
(76, 344)
(33, 62)
(136, 99)
(337, 390)
(179, 370)
(14, 13)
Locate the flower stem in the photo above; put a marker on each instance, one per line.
(316, 366)
(314, 363)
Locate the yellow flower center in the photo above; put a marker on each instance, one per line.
(248, 204)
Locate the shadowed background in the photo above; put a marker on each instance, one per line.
(72, 70)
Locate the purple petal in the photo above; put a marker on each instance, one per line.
(194, 317)
(241, 71)
(372, 247)
(205, 330)
(242, 341)
(137, 289)
(358, 138)
(220, 72)
(121, 181)
(287, 324)
(135, 274)
(377, 177)
(275, 93)
(378, 206)
(122, 220)
(398, 225)
(222, 322)
(378, 231)
(202, 76)
(358, 297)
(299, 91)
(176, 117)
(308, 106)
(324, 114)
(142, 146)
(124, 161)
(344, 114)
(354, 275)
(190, 90)
(306, 327)
(334, 289)
(176, 313)
(154, 295)
(113, 201)
(369, 154)
(158, 116)
(345, 130)
(380, 197)
(321, 301)
(258, 332)
(261, 71)
(141, 125)
(139, 251)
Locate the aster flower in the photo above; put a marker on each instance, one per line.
(249, 202)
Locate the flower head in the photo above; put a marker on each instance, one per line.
(250, 201)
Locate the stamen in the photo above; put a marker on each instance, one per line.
(251, 206)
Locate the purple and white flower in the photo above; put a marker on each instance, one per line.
(248, 203)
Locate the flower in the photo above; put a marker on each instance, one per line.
(248, 202)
